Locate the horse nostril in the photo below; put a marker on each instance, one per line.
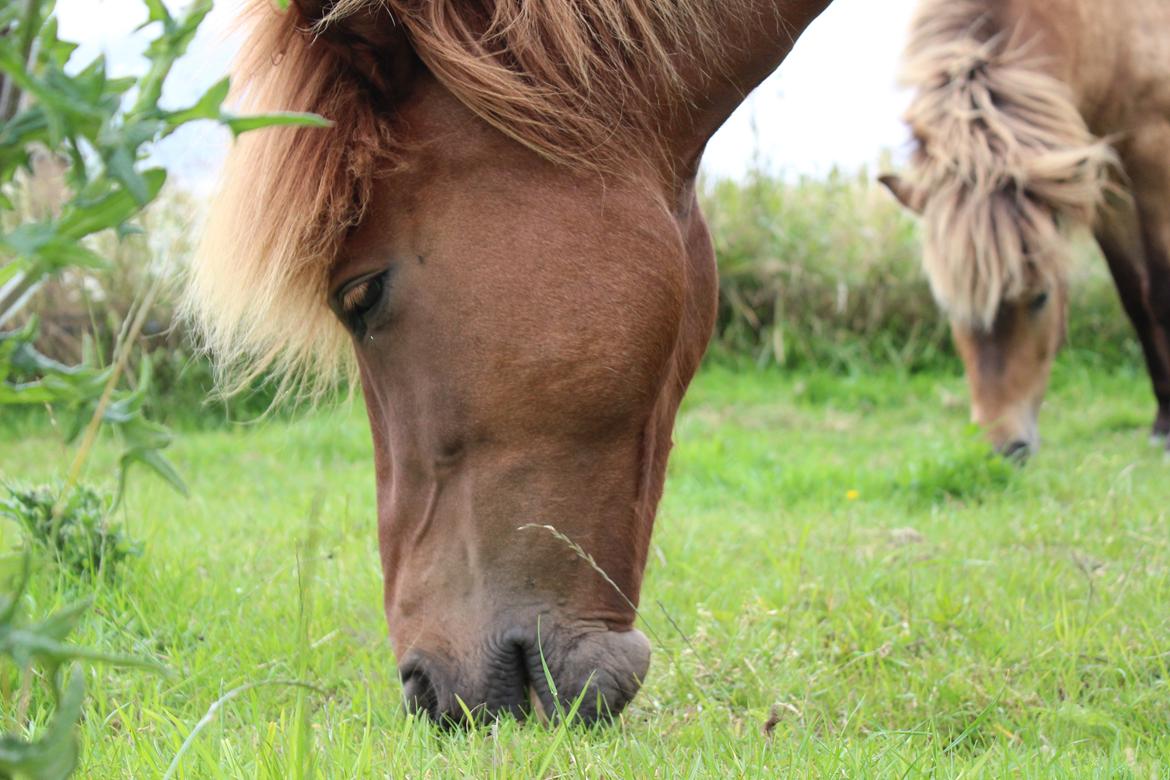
(508, 684)
(596, 679)
(418, 693)
(596, 675)
(468, 697)
(1018, 450)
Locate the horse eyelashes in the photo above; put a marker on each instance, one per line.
(360, 297)
(357, 301)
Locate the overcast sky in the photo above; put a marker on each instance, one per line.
(832, 103)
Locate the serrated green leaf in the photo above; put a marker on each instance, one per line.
(244, 124)
(11, 269)
(63, 620)
(207, 107)
(156, 462)
(8, 612)
(59, 255)
(82, 219)
(121, 166)
(24, 646)
(28, 239)
(158, 12)
(54, 756)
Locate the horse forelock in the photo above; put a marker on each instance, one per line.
(1003, 158)
(581, 83)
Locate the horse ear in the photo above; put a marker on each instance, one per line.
(312, 10)
(907, 194)
(364, 34)
(349, 22)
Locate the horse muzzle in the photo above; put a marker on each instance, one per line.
(585, 676)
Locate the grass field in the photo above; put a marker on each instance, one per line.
(841, 584)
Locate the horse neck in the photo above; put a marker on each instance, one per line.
(1079, 42)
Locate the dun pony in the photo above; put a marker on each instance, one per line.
(1003, 153)
(1026, 115)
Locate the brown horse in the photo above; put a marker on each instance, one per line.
(502, 222)
(1030, 116)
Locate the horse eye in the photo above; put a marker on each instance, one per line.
(358, 298)
(1039, 302)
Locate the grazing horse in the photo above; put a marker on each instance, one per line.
(1031, 116)
(502, 224)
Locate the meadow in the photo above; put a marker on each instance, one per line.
(842, 583)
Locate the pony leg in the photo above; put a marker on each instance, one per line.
(1119, 236)
(1147, 161)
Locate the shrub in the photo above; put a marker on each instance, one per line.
(53, 754)
(73, 178)
(75, 529)
(827, 273)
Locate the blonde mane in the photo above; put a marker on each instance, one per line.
(581, 82)
(1003, 158)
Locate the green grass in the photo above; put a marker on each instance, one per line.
(836, 557)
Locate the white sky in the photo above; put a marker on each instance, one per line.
(832, 103)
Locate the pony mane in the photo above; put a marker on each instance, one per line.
(1003, 158)
(580, 82)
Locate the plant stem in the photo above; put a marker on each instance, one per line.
(121, 357)
(16, 293)
(29, 25)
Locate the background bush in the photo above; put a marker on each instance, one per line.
(80, 312)
(827, 273)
